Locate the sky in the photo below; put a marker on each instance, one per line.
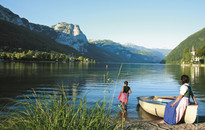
(149, 23)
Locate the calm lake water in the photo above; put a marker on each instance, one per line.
(17, 79)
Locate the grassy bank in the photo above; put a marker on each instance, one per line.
(57, 112)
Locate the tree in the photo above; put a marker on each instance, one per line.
(51, 56)
(80, 58)
(186, 55)
(29, 54)
(17, 56)
(57, 57)
(84, 60)
(12, 56)
(3, 55)
(37, 55)
(200, 51)
(8, 55)
(72, 58)
(62, 57)
(66, 58)
(23, 55)
(44, 55)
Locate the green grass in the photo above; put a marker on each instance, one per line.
(57, 112)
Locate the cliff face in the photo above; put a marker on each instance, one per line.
(63, 33)
(71, 35)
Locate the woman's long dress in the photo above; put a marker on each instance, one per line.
(173, 115)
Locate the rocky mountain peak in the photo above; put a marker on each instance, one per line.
(70, 29)
(70, 33)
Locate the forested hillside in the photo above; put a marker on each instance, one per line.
(197, 40)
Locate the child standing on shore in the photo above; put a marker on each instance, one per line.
(124, 94)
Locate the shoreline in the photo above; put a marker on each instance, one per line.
(41, 62)
(193, 65)
(147, 125)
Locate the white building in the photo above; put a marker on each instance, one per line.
(194, 58)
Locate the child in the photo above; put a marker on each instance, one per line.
(123, 97)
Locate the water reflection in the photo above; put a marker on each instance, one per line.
(193, 71)
(197, 78)
(17, 79)
(196, 74)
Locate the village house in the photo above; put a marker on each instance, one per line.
(194, 58)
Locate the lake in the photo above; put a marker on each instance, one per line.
(78, 79)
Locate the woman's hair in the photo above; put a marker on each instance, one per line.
(185, 79)
(126, 82)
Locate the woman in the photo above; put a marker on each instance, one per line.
(174, 110)
(123, 97)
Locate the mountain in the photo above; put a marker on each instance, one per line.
(71, 35)
(64, 37)
(158, 54)
(130, 52)
(165, 52)
(196, 40)
(14, 36)
(161, 52)
(63, 33)
(19, 32)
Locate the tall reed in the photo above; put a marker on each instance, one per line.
(56, 112)
(107, 79)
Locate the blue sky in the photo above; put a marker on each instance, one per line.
(148, 23)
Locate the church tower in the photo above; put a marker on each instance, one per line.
(193, 51)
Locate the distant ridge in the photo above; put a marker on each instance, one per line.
(130, 52)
